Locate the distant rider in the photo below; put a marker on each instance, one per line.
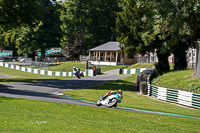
(75, 70)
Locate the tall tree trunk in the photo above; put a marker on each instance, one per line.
(180, 61)
(163, 64)
(33, 54)
(42, 57)
(197, 63)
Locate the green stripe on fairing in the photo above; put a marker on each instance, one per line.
(138, 110)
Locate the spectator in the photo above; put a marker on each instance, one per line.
(94, 68)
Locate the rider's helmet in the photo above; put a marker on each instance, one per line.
(74, 67)
(120, 95)
(120, 91)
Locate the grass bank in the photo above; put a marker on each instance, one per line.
(147, 65)
(68, 66)
(182, 80)
(142, 65)
(21, 115)
(131, 99)
(19, 76)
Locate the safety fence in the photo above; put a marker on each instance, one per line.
(133, 71)
(174, 96)
(44, 72)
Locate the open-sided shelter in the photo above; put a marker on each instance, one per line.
(110, 53)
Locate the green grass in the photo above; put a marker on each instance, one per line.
(146, 65)
(182, 80)
(19, 76)
(131, 99)
(141, 65)
(107, 68)
(68, 67)
(20, 115)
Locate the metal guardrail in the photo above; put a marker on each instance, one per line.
(180, 97)
(44, 72)
(174, 96)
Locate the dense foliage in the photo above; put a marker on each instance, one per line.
(86, 24)
(159, 26)
(142, 26)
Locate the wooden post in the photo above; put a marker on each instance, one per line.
(110, 56)
(116, 57)
(96, 56)
(100, 55)
(89, 55)
(105, 55)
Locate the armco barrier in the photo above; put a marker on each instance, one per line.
(45, 72)
(133, 71)
(174, 96)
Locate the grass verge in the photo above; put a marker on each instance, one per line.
(131, 99)
(19, 76)
(21, 115)
(182, 80)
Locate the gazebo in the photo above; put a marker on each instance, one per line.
(110, 53)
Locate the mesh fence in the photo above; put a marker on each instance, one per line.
(33, 64)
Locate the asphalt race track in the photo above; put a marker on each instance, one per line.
(49, 90)
(45, 90)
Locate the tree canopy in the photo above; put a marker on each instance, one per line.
(86, 24)
(30, 25)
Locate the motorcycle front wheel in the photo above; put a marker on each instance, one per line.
(98, 103)
(112, 103)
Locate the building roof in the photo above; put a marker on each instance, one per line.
(109, 46)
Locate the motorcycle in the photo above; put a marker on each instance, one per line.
(78, 73)
(110, 101)
(81, 73)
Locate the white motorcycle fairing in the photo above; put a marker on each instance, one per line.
(109, 101)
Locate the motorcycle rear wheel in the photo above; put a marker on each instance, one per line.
(112, 103)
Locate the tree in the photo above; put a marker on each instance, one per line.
(14, 13)
(166, 26)
(197, 43)
(49, 33)
(142, 29)
(40, 33)
(74, 19)
(89, 21)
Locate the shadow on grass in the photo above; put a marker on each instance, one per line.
(115, 85)
(10, 91)
(21, 80)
